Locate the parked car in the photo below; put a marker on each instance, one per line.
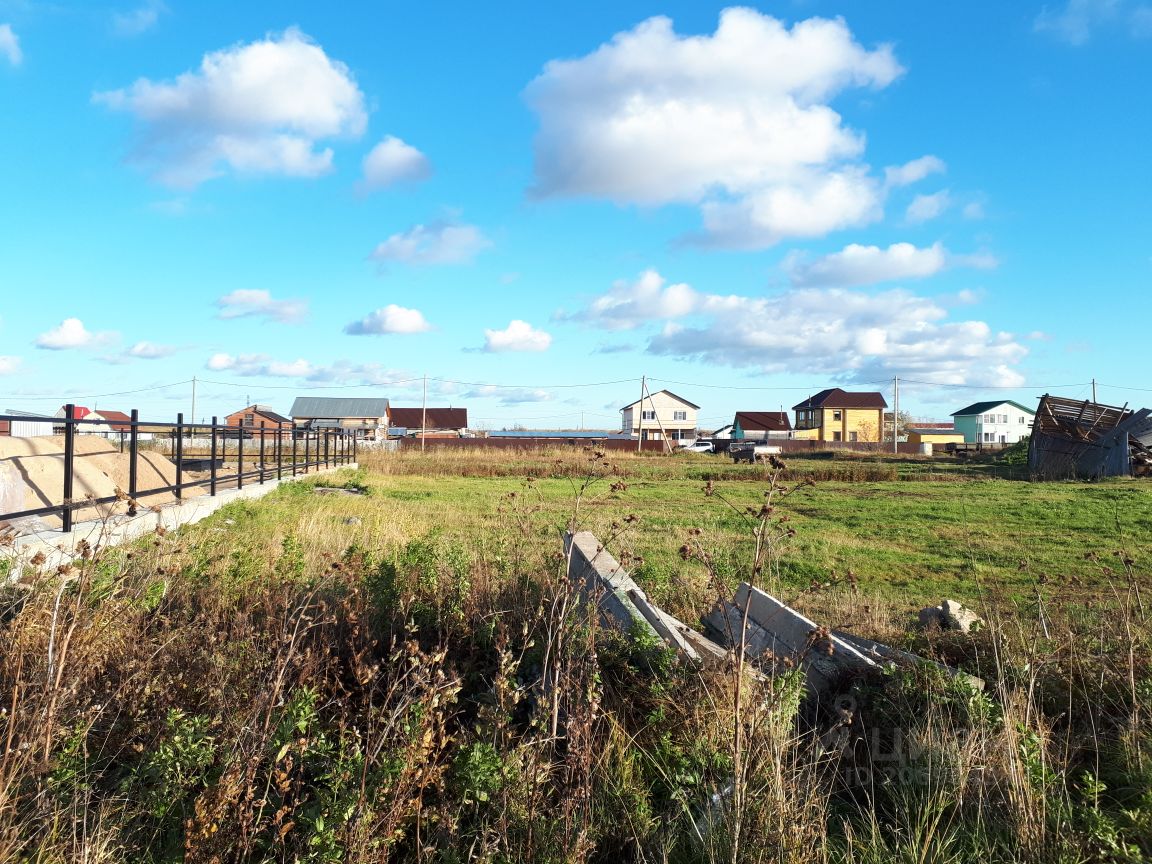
(698, 447)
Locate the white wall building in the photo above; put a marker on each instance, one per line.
(1003, 422)
(659, 416)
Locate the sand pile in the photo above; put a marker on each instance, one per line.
(32, 475)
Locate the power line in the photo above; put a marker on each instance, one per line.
(95, 395)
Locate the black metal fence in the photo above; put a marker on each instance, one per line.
(262, 453)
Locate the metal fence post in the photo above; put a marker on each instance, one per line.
(294, 449)
(279, 450)
(179, 455)
(212, 460)
(307, 439)
(327, 439)
(133, 453)
(240, 456)
(261, 455)
(69, 460)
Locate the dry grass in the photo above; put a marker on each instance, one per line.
(277, 684)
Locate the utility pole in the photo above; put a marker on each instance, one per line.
(895, 413)
(424, 415)
(1093, 390)
(193, 415)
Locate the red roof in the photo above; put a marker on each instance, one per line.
(437, 418)
(834, 397)
(118, 420)
(767, 421)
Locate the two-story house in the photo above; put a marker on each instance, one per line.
(839, 415)
(660, 416)
(994, 422)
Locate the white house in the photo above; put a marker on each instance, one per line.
(660, 416)
(997, 422)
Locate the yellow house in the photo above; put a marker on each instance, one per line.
(939, 435)
(837, 415)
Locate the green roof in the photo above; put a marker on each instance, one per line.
(983, 407)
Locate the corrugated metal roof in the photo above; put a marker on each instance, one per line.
(438, 418)
(834, 397)
(330, 408)
(981, 407)
(768, 421)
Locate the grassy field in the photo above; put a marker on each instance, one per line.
(402, 673)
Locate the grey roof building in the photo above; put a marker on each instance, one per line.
(365, 416)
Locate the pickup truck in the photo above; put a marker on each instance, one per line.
(752, 451)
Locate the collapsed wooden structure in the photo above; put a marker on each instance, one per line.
(1085, 440)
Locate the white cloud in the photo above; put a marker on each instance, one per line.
(517, 336)
(1076, 21)
(10, 45)
(140, 20)
(393, 161)
(927, 207)
(438, 243)
(845, 335)
(630, 304)
(71, 333)
(259, 108)
(260, 365)
(9, 364)
(150, 351)
(258, 303)
(914, 171)
(973, 210)
(865, 265)
(737, 120)
(509, 395)
(389, 319)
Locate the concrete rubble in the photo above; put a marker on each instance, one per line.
(774, 635)
(950, 615)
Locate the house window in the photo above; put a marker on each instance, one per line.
(647, 415)
(989, 418)
(249, 419)
(836, 415)
(836, 435)
(853, 436)
(680, 415)
(1003, 418)
(989, 437)
(1021, 419)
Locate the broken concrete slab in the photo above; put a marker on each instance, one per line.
(886, 654)
(623, 605)
(773, 632)
(959, 617)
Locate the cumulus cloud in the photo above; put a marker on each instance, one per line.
(517, 336)
(71, 333)
(150, 351)
(258, 303)
(139, 20)
(509, 395)
(10, 45)
(260, 108)
(629, 304)
(866, 265)
(1076, 21)
(437, 243)
(914, 171)
(260, 365)
(927, 207)
(389, 319)
(393, 161)
(843, 334)
(9, 364)
(737, 121)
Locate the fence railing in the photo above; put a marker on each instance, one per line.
(261, 453)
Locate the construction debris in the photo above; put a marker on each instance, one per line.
(774, 636)
(1087, 441)
(950, 615)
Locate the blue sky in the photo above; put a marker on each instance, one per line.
(535, 204)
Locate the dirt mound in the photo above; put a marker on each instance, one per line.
(32, 474)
